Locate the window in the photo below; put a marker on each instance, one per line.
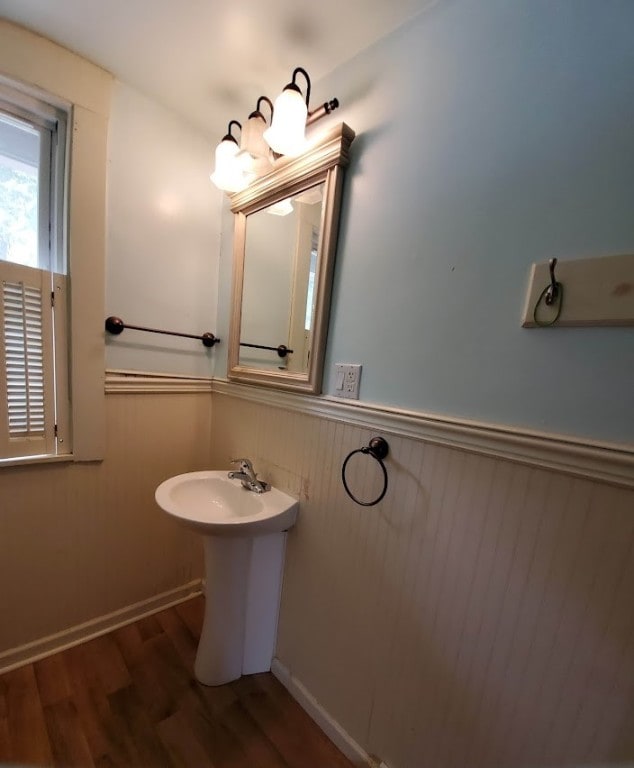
(39, 74)
(34, 407)
(312, 272)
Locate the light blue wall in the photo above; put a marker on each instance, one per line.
(163, 237)
(490, 134)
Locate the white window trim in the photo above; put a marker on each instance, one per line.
(47, 278)
(51, 73)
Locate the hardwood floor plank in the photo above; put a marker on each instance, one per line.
(158, 702)
(68, 741)
(175, 677)
(129, 700)
(52, 680)
(99, 723)
(223, 747)
(4, 708)
(5, 743)
(258, 748)
(130, 643)
(183, 639)
(137, 729)
(3, 698)
(192, 612)
(120, 743)
(103, 652)
(159, 678)
(215, 699)
(148, 627)
(181, 744)
(289, 728)
(28, 737)
(225, 705)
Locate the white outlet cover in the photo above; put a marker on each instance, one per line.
(347, 380)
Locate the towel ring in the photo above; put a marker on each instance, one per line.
(378, 449)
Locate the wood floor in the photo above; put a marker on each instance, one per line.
(130, 699)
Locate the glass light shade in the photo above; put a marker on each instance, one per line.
(286, 135)
(228, 175)
(251, 166)
(253, 138)
(281, 208)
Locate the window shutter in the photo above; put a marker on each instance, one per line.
(26, 370)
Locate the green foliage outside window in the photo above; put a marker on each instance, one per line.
(18, 215)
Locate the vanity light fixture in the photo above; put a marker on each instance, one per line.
(255, 155)
(238, 164)
(229, 175)
(286, 136)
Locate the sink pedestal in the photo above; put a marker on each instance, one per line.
(242, 597)
(244, 535)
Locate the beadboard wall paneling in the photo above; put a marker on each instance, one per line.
(482, 614)
(588, 459)
(79, 541)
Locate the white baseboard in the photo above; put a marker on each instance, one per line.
(342, 740)
(60, 641)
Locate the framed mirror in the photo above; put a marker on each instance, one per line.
(285, 240)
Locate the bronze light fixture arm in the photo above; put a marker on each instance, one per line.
(257, 112)
(322, 110)
(229, 136)
(294, 86)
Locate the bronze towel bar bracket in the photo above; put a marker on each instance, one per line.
(115, 325)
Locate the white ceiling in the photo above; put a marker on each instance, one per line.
(210, 59)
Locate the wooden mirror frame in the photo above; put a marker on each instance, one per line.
(323, 162)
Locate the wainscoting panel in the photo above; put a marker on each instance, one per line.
(81, 541)
(481, 615)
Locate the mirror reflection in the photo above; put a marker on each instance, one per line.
(278, 290)
(285, 239)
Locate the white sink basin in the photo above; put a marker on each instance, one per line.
(216, 506)
(244, 539)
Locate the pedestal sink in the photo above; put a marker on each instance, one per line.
(244, 539)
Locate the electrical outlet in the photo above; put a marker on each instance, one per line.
(347, 379)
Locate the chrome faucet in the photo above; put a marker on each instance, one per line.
(247, 476)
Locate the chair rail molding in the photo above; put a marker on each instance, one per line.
(123, 382)
(610, 463)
